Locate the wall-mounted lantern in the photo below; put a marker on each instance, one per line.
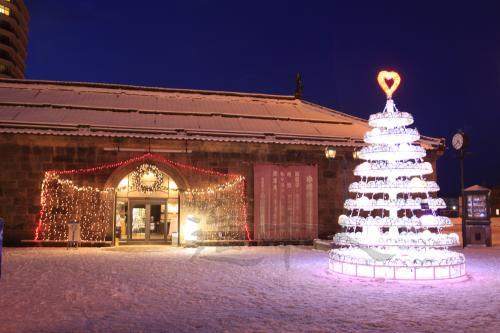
(330, 152)
(355, 154)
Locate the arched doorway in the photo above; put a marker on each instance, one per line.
(147, 204)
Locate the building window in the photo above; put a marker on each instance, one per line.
(476, 206)
(4, 10)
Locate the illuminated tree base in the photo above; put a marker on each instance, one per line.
(450, 265)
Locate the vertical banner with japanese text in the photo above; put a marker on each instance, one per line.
(285, 202)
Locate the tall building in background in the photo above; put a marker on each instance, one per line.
(14, 19)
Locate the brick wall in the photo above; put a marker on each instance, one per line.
(25, 158)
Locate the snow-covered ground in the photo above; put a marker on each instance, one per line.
(264, 289)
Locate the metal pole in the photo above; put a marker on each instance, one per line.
(2, 222)
(344, 167)
(113, 227)
(464, 231)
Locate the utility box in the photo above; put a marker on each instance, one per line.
(477, 216)
(1, 243)
(74, 234)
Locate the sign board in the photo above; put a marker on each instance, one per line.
(175, 238)
(285, 202)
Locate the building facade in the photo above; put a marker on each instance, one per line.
(153, 164)
(495, 201)
(14, 20)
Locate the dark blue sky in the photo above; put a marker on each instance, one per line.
(448, 53)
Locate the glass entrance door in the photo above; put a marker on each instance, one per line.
(138, 221)
(157, 222)
(148, 220)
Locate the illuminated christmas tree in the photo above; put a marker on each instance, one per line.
(393, 230)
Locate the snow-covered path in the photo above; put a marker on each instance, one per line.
(274, 289)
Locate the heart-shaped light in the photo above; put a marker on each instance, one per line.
(385, 76)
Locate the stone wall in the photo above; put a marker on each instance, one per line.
(25, 158)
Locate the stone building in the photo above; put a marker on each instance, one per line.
(14, 19)
(495, 201)
(196, 143)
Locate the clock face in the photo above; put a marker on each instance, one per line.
(457, 141)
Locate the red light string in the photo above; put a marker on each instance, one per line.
(146, 156)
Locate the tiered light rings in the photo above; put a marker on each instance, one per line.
(392, 169)
(370, 204)
(415, 185)
(404, 239)
(426, 221)
(391, 135)
(400, 152)
(390, 119)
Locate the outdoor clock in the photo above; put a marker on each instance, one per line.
(459, 140)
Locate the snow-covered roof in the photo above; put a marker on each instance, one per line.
(92, 109)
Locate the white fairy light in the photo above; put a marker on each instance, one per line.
(388, 232)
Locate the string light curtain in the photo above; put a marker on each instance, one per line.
(62, 202)
(222, 203)
(222, 208)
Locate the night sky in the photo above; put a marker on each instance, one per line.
(447, 52)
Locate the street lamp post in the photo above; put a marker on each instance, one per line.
(1, 243)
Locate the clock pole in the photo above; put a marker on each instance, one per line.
(461, 155)
(459, 142)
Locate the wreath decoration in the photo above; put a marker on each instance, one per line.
(140, 185)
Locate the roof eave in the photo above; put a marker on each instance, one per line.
(90, 131)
